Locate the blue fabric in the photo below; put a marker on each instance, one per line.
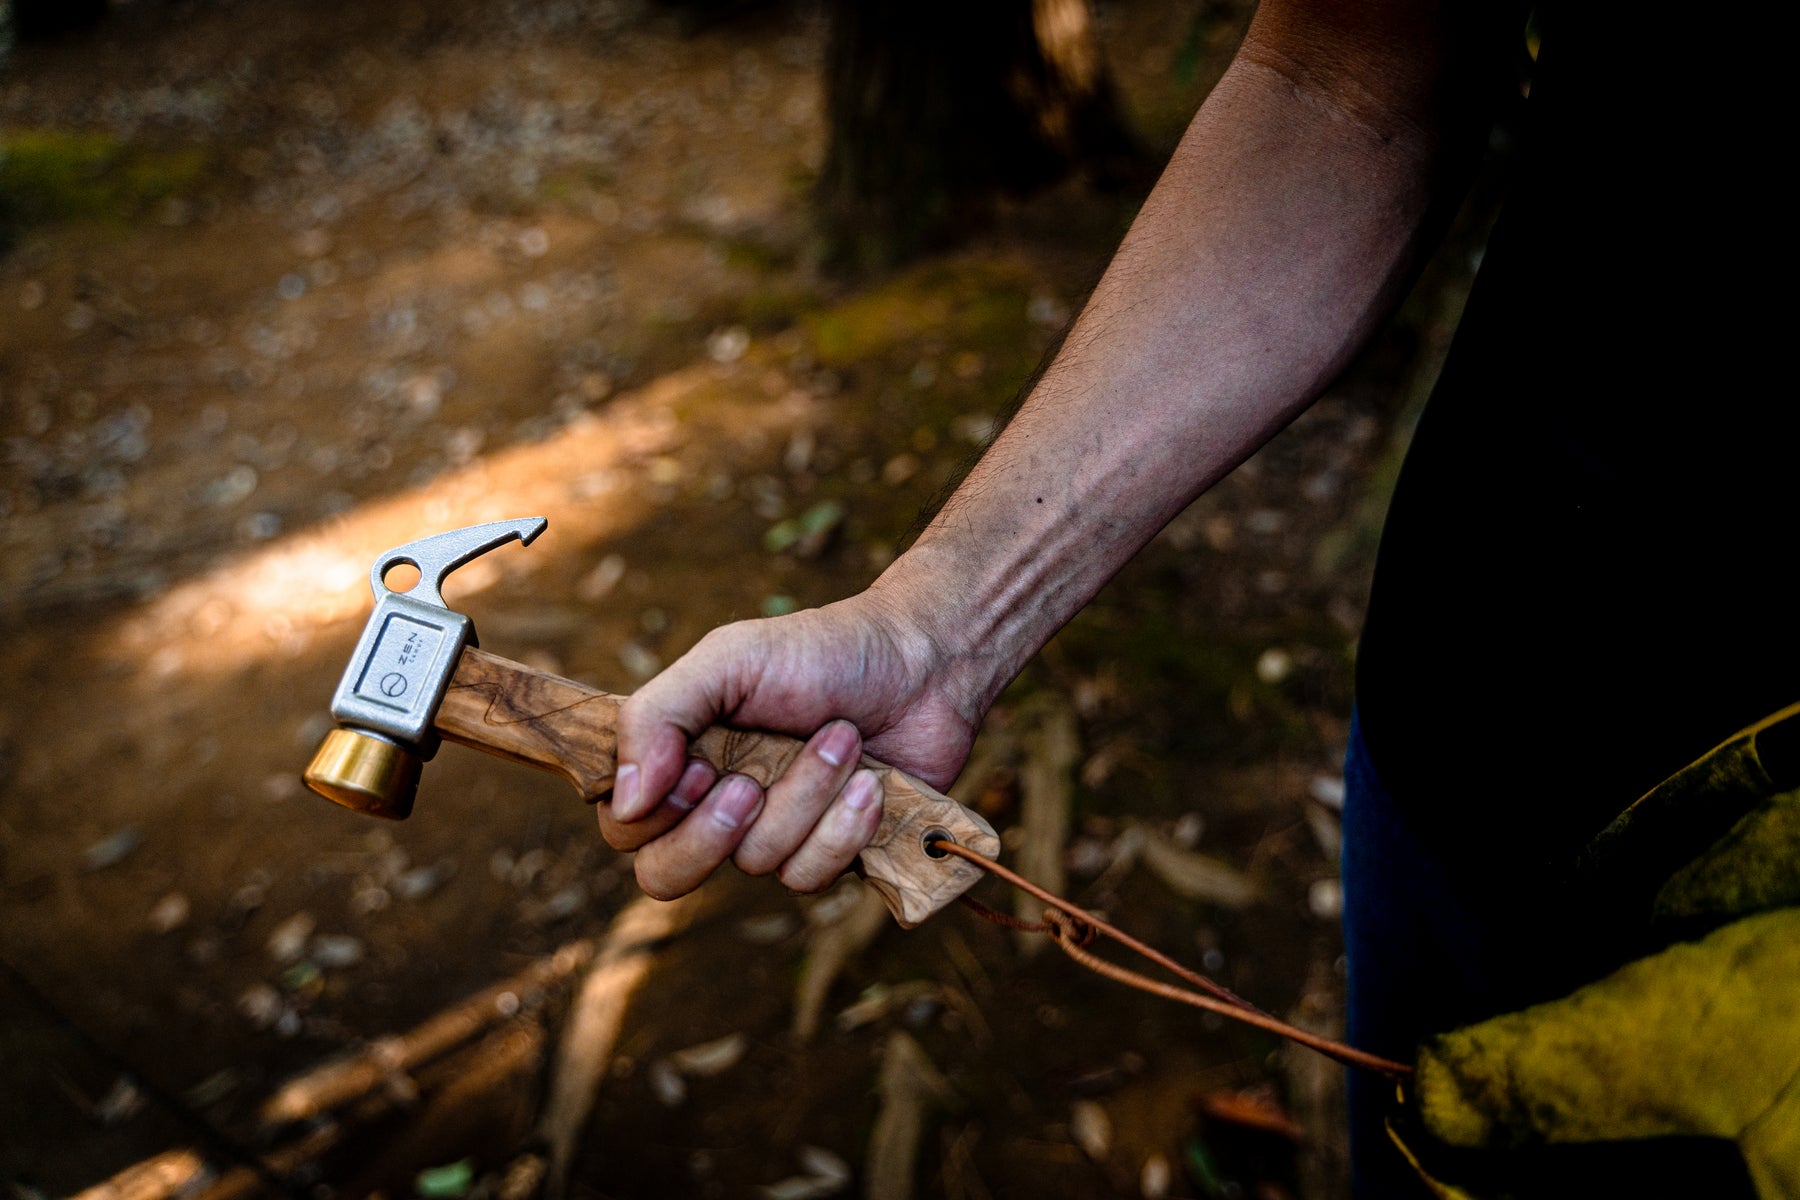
(1422, 958)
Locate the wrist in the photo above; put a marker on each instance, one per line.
(947, 638)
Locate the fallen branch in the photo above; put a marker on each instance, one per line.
(597, 1015)
(335, 1084)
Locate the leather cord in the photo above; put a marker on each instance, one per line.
(1073, 929)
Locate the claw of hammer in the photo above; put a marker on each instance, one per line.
(403, 663)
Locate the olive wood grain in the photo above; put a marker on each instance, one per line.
(558, 725)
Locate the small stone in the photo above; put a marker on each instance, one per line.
(1274, 665)
(335, 951)
(728, 345)
(597, 584)
(420, 882)
(123, 1101)
(1326, 899)
(900, 468)
(1047, 310)
(974, 428)
(32, 295)
(1327, 790)
(288, 942)
(767, 929)
(500, 864)
(666, 1083)
(1265, 522)
(233, 487)
(261, 1005)
(206, 949)
(1091, 1129)
(640, 662)
(1087, 856)
(111, 849)
(595, 386)
(799, 453)
(282, 785)
(1156, 1177)
(566, 903)
(778, 606)
(168, 914)
(823, 1165)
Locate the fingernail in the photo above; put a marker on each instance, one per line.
(627, 792)
(690, 789)
(838, 743)
(861, 791)
(736, 802)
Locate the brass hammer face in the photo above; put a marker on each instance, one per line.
(404, 660)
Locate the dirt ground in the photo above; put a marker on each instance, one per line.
(328, 277)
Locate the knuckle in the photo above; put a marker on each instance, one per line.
(803, 877)
(754, 860)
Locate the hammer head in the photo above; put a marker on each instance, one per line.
(404, 660)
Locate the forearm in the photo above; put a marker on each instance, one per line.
(1277, 239)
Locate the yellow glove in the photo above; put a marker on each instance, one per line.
(1698, 1039)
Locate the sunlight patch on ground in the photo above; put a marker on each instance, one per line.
(595, 478)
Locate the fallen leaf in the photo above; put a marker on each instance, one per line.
(1091, 1129)
(1251, 1109)
(910, 1086)
(448, 1181)
(1196, 876)
(710, 1058)
(831, 945)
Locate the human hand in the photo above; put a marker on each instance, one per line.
(832, 675)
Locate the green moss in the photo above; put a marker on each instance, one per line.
(756, 254)
(973, 304)
(768, 309)
(51, 175)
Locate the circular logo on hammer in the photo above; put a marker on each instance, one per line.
(393, 684)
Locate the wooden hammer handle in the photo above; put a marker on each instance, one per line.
(558, 725)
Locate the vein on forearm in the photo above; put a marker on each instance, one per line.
(1277, 238)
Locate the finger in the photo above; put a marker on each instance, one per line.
(847, 826)
(697, 779)
(796, 800)
(656, 722)
(680, 860)
(687, 792)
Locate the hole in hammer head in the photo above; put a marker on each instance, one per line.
(401, 576)
(930, 840)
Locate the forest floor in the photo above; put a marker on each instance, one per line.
(298, 282)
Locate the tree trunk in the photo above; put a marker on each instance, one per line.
(936, 107)
(42, 20)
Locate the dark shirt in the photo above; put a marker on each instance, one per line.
(1584, 580)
